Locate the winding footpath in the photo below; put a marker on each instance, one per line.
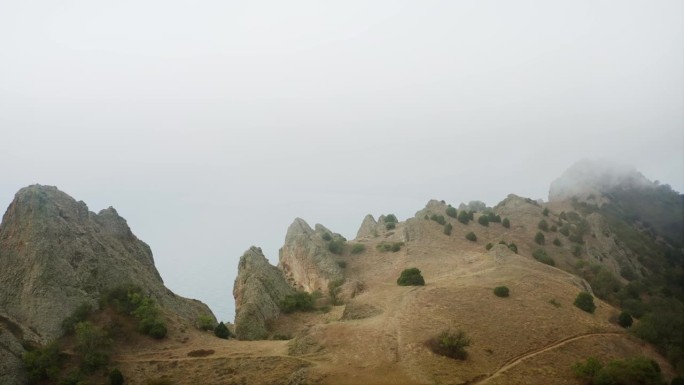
(522, 357)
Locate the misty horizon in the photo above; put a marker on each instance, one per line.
(211, 126)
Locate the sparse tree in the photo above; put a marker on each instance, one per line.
(585, 301)
(451, 211)
(539, 238)
(471, 237)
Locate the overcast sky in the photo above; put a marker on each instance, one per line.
(211, 125)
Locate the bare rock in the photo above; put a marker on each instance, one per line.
(56, 255)
(368, 227)
(258, 290)
(305, 259)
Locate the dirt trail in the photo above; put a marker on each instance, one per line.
(518, 359)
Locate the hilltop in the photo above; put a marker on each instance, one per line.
(331, 311)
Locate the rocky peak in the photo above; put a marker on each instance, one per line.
(258, 290)
(593, 177)
(305, 259)
(368, 227)
(56, 255)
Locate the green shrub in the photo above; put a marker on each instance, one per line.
(553, 228)
(389, 246)
(205, 322)
(390, 225)
(501, 291)
(576, 250)
(506, 223)
(358, 248)
(585, 301)
(539, 238)
(410, 277)
(221, 331)
(93, 345)
(326, 237)
(115, 377)
(471, 237)
(80, 314)
(342, 264)
(541, 256)
(450, 211)
(545, 212)
(493, 218)
(336, 246)
(299, 301)
(636, 370)
(450, 344)
(576, 237)
(44, 363)
(557, 242)
(391, 218)
(483, 220)
(463, 217)
(489, 246)
(512, 246)
(565, 230)
(543, 225)
(625, 319)
(148, 315)
(438, 218)
(447, 229)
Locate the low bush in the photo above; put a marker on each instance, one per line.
(115, 377)
(576, 250)
(553, 228)
(463, 217)
(513, 247)
(506, 223)
(336, 246)
(557, 242)
(625, 319)
(489, 246)
(545, 212)
(539, 238)
(391, 218)
(636, 370)
(411, 277)
(326, 237)
(565, 230)
(80, 314)
(438, 218)
(221, 331)
(43, 363)
(92, 344)
(450, 211)
(205, 322)
(543, 225)
(451, 344)
(483, 220)
(471, 237)
(358, 248)
(334, 289)
(447, 229)
(501, 291)
(585, 301)
(493, 218)
(541, 256)
(342, 264)
(299, 301)
(389, 246)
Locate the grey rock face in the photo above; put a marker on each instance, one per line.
(305, 259)
(56, 255)
(368, 227)
(258, 290)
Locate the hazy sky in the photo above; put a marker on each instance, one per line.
(211, 125)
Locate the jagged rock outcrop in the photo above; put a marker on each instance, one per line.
(368, 227)
(258, 290)
(56, 255)
(592, 178)
(306, 260)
